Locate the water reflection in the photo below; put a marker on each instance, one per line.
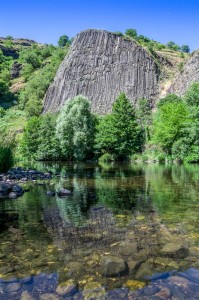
(125, 213)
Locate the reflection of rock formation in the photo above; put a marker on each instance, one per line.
(100, 230)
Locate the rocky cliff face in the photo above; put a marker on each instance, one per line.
(188, 75)
(99, 66)
(16, 45)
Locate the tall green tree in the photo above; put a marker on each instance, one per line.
(75, 129)
(48, 144)
(63, 41)
(168, 124)
(185, 48)
(119, 133)
(30, 141)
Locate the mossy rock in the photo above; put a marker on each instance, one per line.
(134, 284)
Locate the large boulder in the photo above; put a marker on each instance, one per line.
(5, 189)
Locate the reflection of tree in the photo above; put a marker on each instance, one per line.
(174, 191)
(74, 208)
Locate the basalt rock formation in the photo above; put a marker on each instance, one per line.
(99, 66)
(188, 75)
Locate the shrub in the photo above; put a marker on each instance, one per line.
(106, 157)
(6, 158)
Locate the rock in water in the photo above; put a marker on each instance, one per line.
(112, 265)
(63, 192)
(99, 66)
(174, 250)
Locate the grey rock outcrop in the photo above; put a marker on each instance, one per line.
(15, 70)
(99, 66)
(188, 75)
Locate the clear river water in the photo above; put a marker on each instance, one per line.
(123, 226)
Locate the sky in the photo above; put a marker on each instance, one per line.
(46, 20)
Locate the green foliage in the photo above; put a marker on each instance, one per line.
(118, 133)
(48, 144)
(118, 33)
(132, 33)
(185, 49)
(30, 141)
(3, 88)
(39, 140)
(2, 112)
(6, 97)
(171, 98)
(76, 129)
(168, 124)
(144, 116)
(192, 95)
(106, 158)
(31, 97)
(63, 41)
(27, 71)
(9, 37)
(6, 158)
(30, 57)
(173, 46)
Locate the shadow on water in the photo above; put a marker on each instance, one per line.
(121, 224)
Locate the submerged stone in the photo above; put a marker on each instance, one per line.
(27, 296)
(174, 250)
(67, 288)
(49, 297)
(133, 266)
(94, 290)
(144, 270)
(127, 248)
(164, 293)
(134, 284)
(112, 265)
(13, 287)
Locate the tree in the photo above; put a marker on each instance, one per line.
(63, 41)
(191, 96)
(173, 46)
(75, 129)
(30, 140)
(185, 48)
(48, 144)
(119, 133)
(143, 114)
(171, 98)
(9, 37)
(118, 33)
(131, 33)
(3, 88)
(168, 124)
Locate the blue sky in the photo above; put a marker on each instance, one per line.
(46, 20)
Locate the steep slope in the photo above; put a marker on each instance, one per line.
(99, 66)
(188, 75)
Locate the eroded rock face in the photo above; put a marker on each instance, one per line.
(188, 75)
(99, 66)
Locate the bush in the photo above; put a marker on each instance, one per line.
(6, 158)
(106, 157)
